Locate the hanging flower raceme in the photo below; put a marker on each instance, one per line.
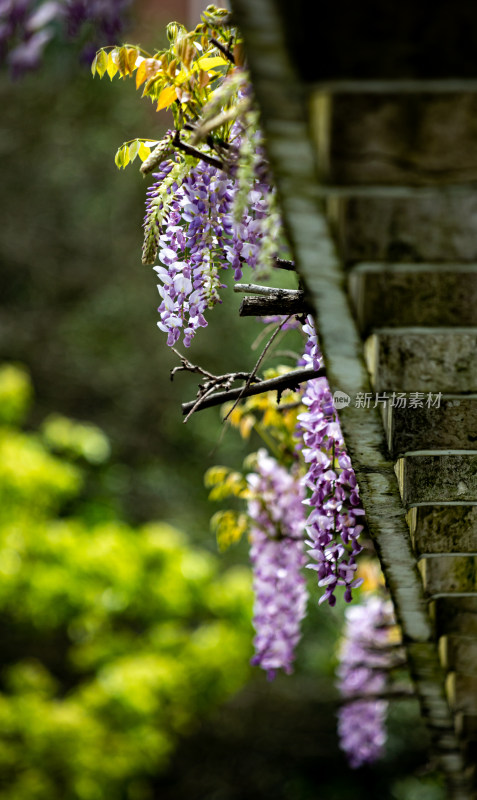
(191, 224)
(190, 246)
(332, 526)
(366, 656)
(277, 554)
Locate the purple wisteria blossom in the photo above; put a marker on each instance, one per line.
(277, 555)
(26, 27)
(199, 238)
(191, 249)
(365, 658)
(332, 526)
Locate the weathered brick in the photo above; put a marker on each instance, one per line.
(414, 139)
(450, 424)
(396, 295)
(444, 575)
(438, 229)
(423, 360)
(443, 529)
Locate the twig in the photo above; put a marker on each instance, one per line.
(193, 151)
(266, 291)
(212, 383)
(187, 366)
(291, 380)
(202, 396)
(259, 361)
(223, 49)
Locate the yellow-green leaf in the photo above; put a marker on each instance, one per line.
(112, 67)
(101, 62)
(133, 150)
(215, 475)
(229, 527)
(209, 62)
(132, 59)
(123, 61)
(166, 97)
(147, 70)
(143, 151)
(122, 156)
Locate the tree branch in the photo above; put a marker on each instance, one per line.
(193, 151)
(270, 300)
(270, 306)
(266, 291)
(223, 49)
(289, 381)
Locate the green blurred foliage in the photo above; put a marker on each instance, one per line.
(114, 640)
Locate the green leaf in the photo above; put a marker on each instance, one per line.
(133, 150)
(122, 157)
(126, 158)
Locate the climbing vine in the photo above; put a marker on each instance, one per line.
(211, 212)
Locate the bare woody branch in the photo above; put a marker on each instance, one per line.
(270, 306)
(193, 151)
(270, 300)
(265, 291)
(289, 381)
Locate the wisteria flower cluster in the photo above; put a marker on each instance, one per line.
(27, 26)
(197, 240)
(277, 554)
(332, 526)
(366, 655)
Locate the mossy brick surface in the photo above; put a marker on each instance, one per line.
(436, 530)
(423, 360)
(396, 295)
(450, 423)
